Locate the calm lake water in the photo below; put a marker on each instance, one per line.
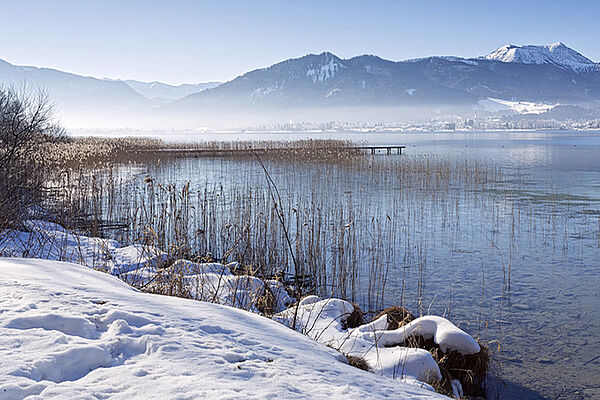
(538, 231)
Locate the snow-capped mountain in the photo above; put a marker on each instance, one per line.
(321, 83)
(163, 92)
(327, 80)
(556, 54)
(553, 74)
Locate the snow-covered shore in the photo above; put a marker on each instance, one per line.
(62, 323)
(68, 331)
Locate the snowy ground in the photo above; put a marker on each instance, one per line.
(519, 107)
(67, 331)
(140, 265)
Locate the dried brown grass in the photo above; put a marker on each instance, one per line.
(471, 370)
(356, 318)
(359, 362)
(92, 152)
(396, 317)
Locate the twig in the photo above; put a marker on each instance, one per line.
(593, 359)
(281, 218)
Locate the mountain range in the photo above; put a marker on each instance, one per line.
(553, 73)
(164, 93)
(548, 74)
(80, 98)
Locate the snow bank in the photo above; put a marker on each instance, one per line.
(325, 321)
(51, 241)
(142, 265)
(97, 337)
(520, 107)
(215, 283)
(443, 332)
(68, 331)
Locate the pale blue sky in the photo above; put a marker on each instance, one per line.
(194, 41)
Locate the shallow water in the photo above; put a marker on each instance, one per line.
(517, 264)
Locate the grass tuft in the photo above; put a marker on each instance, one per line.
(359, 362)
(396, 317)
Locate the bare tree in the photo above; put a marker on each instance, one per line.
(26, 123)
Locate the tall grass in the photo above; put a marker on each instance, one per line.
(93, 152)
(344, 245)
(356, 223)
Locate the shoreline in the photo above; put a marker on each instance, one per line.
(141, 266)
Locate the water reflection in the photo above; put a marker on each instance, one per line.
(517, 263)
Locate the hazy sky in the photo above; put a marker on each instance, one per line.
(195, 41)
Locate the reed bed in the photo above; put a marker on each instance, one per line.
(363, 228)
(93, 152)
(346, 244)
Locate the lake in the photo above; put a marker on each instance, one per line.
(514, 261)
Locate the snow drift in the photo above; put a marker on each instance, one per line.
(79, 323)
(70, 332)
(325, 321)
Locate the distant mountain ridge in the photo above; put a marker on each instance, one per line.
(164, 92)
(69, 89)
(88, 101)
(552, 73)
(546, 74)
(72, 89)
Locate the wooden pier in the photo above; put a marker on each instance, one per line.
(374, 149)
(389, 149)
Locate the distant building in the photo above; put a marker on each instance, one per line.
(450, 126)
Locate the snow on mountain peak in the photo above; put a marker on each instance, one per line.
(325, 70)
(555, 45)
(556, 53)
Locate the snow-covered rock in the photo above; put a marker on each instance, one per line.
(443, 332)
(142, 265)
(67, 331)
(216, 283)
(325, 321)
